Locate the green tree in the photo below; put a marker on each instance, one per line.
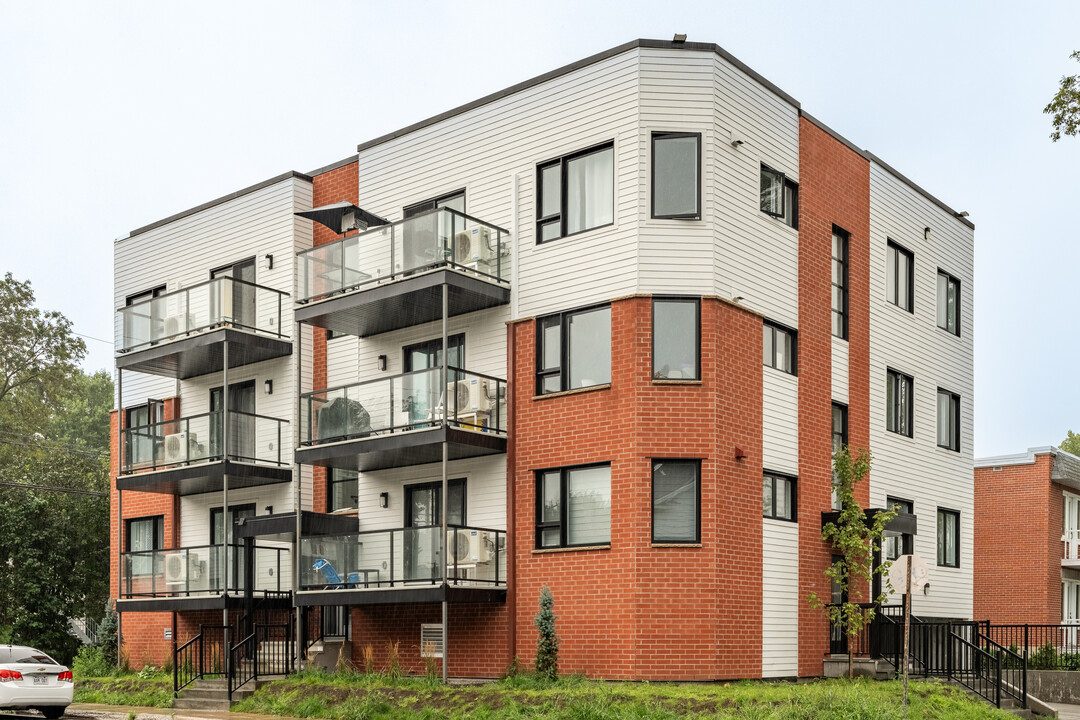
(1065, 107)
(857, 542)
(547, 645)
(1071, 443)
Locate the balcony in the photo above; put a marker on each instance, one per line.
(182, 334)
(186, 456)
(391, 277)
(403, 420)
(403, 565)
(1070, 557)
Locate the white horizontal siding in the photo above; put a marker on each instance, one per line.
(779, 599)
(840, 370)
(780, 421)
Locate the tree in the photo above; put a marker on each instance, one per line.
(1071, 443)
(856, 541)
(547, 645)
(1065, 107)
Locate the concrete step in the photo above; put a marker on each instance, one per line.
(184, 703)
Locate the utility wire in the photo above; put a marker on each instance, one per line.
(53, 488)
(58, 448)
(91, 337)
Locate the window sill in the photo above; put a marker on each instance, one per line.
(579, 548)
(575, 391)
(675, 545)
(674, 381)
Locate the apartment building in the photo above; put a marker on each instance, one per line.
(665, 293)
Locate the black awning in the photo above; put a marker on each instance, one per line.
(311, 524)
(343, 216)
(902, 524)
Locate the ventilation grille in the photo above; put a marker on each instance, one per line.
(431, 640)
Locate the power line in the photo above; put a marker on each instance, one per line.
(53, 488)
(91, 337)
(48, 446)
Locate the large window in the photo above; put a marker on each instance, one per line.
(779, 347)
(342, 490)
(676, 175)
(899, 276)
(899, 413)
(778, 496)
(840, 283)
(573, 506)
(839, 439)
(779, 196)
(573, 350)
(897, 545)
(948, 420)
(676, 343)
(142, 536)
(575, 193)
(948, 302)
(948, 538)
(676, 501)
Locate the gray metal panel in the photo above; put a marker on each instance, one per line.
(196, 602)
(202, 353)
(417, 447)
(204, 478)
(284, 524)
(402, 596)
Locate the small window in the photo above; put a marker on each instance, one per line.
(575, 193)
(948, 538)
(143, 536)
(948, 420)
(779, 196)
(779, 346)
(342, 490)
(676, 338)
(573, 350)
(897, 545)
(840, 243)
(676, 176)
(898, 402)
(948, 302)
(573, 506)
(676, 501)
(778, 497)
(899, 276)
(839, 440)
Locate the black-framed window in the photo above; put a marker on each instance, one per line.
(948, 537)
(342, 489)
(573, 350)
(453, 200)
(779, 196)
(779, 497)
(839, 424)
(779, 346)
(144, 295)
(899, 276)
(676, 501)
(334, 334)
(142, 535)
(676, 338)
(948, 420)
(575, 193)
(897, 545)
(573, 506)
(676, 175)
(423, 503)
(840, 246)
(236, 513)
(948, 303)
(143, 438)
(899, 402)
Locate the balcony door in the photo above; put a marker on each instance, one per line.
(422, 393)
(217, 531)
(422, 242)
(241, 421)
(234, 302)
(423, 525)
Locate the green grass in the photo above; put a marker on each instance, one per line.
(362, 697)
(125, 690)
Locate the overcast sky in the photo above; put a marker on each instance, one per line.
(116, 114)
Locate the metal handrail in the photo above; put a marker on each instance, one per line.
(198, 285)
(983, 677)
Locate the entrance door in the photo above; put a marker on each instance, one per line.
(241, 421)
(423, 525)
(422, 242)
(236, 557)
(235, 301)
(422, 392)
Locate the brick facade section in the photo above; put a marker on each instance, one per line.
(635, 611)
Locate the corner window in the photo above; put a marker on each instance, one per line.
(839, 440)
(948, 538)
(948, 302)
(143, 536)
(899, 276)
(676, 501)
(676, 343)
(342, 490)
(898, 402)
(840, 242)
(779, 196)
(676, 176)
(573, 350)
(778, 496)
(897, 545)
(575, 193)
(573, 506)
(779, 347)
(948, 420)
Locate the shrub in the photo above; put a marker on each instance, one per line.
(106, 636)
(547, 645)
(1045, 658)
(91, 661)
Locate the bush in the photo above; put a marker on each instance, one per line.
(547, 645)
(1045, 658)
(91, 661)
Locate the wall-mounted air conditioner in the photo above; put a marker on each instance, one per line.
(467, 396)
(472, 246)
(177, 446)
(225, 301)
(180, 566)
(459, 545)
(480, 546)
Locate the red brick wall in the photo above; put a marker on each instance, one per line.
(637, 611)
(834, 189)
(1017, 566)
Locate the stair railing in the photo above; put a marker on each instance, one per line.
(187, 663)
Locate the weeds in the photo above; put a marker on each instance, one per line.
(369, 659)
(431, 665)
(393, 663)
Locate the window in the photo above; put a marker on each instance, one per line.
(779, 196)
(840, 242)
(778, 497)
(423, 503)
(899, 276)
(676, 174)
(839, 439)
(779, 347)
(573, 506)
(573, 350)
(454, 201)
(948, 420)
(898, 402)
(575, 193)
(334, 334)
(144, 436)
(675, 342)
(948, 538)
(897, 545)
(342, 489)
(142, 536)
(676, 506)
(948, 302)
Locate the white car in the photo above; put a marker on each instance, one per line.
(30, 679)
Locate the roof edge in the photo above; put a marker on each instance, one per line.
(334, 165)
(1024, 458)
(907, 181)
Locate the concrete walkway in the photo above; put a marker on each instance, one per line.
(87, 711)
(1066, 712)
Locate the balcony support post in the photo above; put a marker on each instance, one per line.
(121, 447)
(445, 468)
(226, 525)
(298, 647)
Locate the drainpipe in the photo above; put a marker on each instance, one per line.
(225, 524)
(119, 506)
(445, 456)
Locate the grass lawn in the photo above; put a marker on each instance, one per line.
(125, 690)
(346, 696)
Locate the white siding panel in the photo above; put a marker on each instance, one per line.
(779, 599)
(780, 421)
(840, 370)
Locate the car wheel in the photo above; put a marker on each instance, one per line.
(53, 713)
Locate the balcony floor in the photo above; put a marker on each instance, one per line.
(199, 602)
(204, 478)
(202, 353)
(410, 594)
(414, 447)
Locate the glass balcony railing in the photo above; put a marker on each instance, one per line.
(201, 571)
(409, 401)
(252, 438)
(404, 557)
(221, 302)
(441, 237)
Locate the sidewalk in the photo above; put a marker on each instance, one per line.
(88, 711)
(1066, 712)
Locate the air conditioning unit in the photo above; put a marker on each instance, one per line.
(480, 546)
(177, 446)
(459, 546)
(174, 325)
(179, 566)
(473, 246)
(225, 301)
(467, 396)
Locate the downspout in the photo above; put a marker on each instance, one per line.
(119, 509)
(445, 456)
(511, 445)
(299, 638)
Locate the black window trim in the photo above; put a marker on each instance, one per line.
(785, 183)
(794, 346)
(838, 231)
(564, 348)
(844, 407)
(889, 370)
(696, 300)
(956, 513)
(663, 135)
(906, 539)
(767, 474)
(434, 202)
(652, 505)
(890, 243)
(959, 304)
(955, 419)
(406, 511)
(331, 481)
(561, 216)
(562, 524)
(229, 266)
(127, 530)
(153, 292)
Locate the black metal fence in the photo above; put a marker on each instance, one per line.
(269, 650)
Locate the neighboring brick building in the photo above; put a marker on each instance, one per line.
(665, 295)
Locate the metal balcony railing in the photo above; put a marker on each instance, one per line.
(200, 570)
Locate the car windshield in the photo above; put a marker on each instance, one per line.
(24, 655)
